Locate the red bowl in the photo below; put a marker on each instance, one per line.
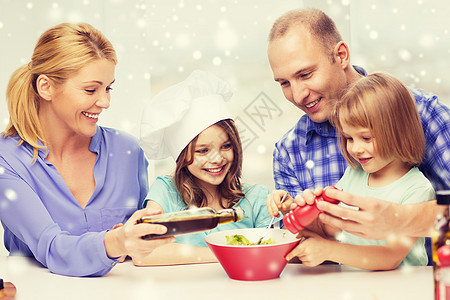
(253, 262)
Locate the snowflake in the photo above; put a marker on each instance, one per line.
(11, 195)
(309, 164)
(197, 55)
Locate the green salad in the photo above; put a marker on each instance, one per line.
(241, 240)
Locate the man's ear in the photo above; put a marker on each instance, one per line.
(44, 87)
(342, 54)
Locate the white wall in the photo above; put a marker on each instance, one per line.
(159, 42)
(2, 247)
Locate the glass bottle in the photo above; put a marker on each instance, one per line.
(7, 290)
(441, 248)
(192, 220)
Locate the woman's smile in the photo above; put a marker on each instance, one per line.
(91, 116)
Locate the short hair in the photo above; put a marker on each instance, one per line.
(60, 52)
(385, 105)
(230, 188)
(321, 27)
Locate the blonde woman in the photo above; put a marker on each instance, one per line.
(65, 182)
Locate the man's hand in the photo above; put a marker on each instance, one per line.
(376, 219)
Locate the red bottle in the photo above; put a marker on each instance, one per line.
(443, 292)
(441, 248)
(302, 216)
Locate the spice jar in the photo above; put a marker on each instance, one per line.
(302, 216)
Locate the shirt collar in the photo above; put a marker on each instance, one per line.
(96, 141)
(360, 70)
(324, 129)
(43, 152)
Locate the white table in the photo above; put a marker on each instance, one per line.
(209, 281)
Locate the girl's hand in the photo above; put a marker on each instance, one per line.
(307, 197)
(127, 239)
(274, 205)
(312, 251)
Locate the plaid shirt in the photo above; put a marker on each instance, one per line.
(308, 155)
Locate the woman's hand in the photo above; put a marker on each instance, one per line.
(127, 239)
(122, 258)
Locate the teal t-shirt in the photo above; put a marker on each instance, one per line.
(164, 192)
(413, 187)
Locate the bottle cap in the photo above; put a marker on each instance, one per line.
(443, 197)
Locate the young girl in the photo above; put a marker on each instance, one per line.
(191, 123)
(382, 139)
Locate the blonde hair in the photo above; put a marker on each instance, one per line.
(383, 104)
(60, 52)
(321, 27)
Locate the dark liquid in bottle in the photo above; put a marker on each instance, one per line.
(188, 224)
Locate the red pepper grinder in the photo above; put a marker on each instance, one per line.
(302, 216)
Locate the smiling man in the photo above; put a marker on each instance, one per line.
(312, 65)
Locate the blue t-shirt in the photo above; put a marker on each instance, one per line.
(163, 191)
(42, 218)
(412, 187)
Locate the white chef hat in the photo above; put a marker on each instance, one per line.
(174, 117)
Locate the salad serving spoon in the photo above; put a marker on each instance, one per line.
(271, 221)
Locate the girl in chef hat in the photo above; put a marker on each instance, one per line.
(190, 122)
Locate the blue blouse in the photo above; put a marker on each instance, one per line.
(42, 218)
